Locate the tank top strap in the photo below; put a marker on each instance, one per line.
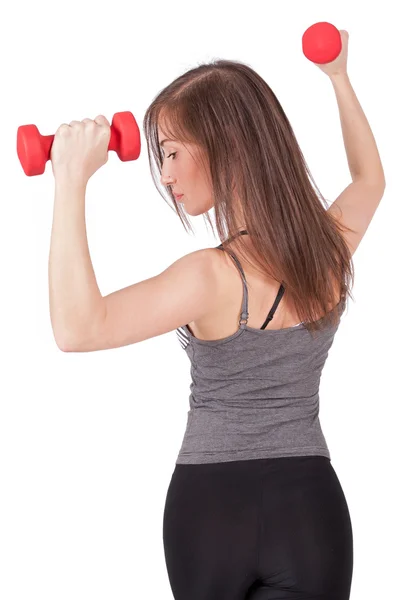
(244, 312)
(244, 315)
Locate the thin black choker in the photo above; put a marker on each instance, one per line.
(244, 232)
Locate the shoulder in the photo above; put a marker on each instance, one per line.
(209, 271)
(205, 262)
(198, 273)
(208, 260)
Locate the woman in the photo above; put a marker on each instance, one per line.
(254, 509)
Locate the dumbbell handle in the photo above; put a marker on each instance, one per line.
(34, 149)
(47, 142)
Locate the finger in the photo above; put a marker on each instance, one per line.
(64, 128)
(87, 121)
(101, 120)
(73, 123)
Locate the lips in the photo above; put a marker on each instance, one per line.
(178, 196)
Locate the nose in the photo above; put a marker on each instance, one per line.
(167, 180)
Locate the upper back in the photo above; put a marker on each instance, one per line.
(233, 275)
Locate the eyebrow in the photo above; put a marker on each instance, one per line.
(166, 140)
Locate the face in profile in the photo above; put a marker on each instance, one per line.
(184, 175)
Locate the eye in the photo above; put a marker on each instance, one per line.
(172, 154)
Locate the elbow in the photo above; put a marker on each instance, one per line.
(382, 188)
(373, 177)
(382, 183)
(66, 349)
(65, 341)
(77, 344)
(64, 345)
(377, 183)
(79, 340)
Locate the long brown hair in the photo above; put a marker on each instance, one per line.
(250, 152)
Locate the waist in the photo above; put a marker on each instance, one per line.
(219, 435)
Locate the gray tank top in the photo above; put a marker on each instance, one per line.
(255, 394)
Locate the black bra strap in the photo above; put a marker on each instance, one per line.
(244, 314)
(274, 306)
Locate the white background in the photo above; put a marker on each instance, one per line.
(88, 441)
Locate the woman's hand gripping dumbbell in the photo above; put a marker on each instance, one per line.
(80, 148)
(327, 47)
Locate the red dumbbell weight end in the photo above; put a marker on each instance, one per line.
(322, 43)
(34, 149)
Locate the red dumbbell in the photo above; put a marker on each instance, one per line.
(34, 149)
(322, 43)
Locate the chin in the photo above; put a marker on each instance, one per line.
(197, 210)
(194, 212)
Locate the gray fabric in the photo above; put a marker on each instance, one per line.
(255, 394)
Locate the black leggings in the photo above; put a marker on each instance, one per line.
(263, 529)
